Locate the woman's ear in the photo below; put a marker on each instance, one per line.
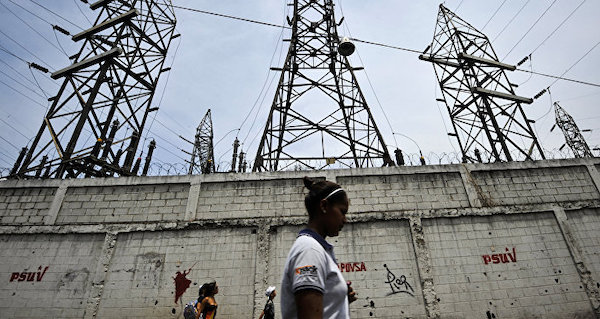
(323, 206)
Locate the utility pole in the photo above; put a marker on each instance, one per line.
(319, 115)
(109, 85)
(573, 136)
(486, 113)
(236, 144)
(203, 153)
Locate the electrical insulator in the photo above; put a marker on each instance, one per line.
(542, 92)
(523, 60)
(38, 67)
(61, 30)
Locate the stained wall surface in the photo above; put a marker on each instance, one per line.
(505, 240)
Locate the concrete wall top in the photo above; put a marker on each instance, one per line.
(329, 174)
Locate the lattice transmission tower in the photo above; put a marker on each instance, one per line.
(203, 159)
(487, 118)
(94, 124)
(319, 115)
(573, 136)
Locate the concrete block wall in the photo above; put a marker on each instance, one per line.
(538, 277)
(47, 275)
(535, 186)
(253, 198)
(516, 240)
(122, 204)
(25, 205)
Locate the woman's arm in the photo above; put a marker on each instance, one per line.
(309, 304)
(200, 307)
(261, 314)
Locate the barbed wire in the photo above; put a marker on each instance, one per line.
(411, 159)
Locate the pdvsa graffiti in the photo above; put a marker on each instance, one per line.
(29, 276)
(352, 267)
(501, 258)
(398, 285)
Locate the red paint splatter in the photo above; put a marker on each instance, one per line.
(181, 283)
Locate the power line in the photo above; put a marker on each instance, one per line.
(560, 25)
(533, 25)
(493, 15)
(397, 47)
(82, 13)
(16, 56)
(32, 28)
(230, 17)
(25, 95)
(511, 20)
(458, 6)
(31, 12)
(56, 14)
(576, 62)
(15, 70)
(11, 144)
(23, 85)
(5, 122)
(559, 77)
(24, 48)
(386, 45)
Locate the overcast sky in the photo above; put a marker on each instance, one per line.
(223, 64)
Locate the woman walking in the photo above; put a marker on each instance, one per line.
(312, 284)
(207, 308)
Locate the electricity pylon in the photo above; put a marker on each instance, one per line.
(203, 160)
(319, 115)
(486, 114)
(573, 135)
(95, 122)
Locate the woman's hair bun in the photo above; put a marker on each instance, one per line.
(308, 182)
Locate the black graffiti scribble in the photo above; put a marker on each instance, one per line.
(398, 285)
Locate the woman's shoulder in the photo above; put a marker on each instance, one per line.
(305, 242)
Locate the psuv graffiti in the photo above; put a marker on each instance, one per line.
(29, 276)
(501, 258)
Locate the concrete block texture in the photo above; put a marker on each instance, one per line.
(123, 203)
(508, 266)
(503, 240)
(45, 275)
(140, 281)
(377, 257)
(254, 198)
(406, 192)
(585, 224)
(29, 204)
(536, 185)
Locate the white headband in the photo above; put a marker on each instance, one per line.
(333, 192)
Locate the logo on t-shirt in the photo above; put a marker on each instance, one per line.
(306, 270)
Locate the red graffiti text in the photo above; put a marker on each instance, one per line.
(352, 267)
(501, 258)
(29, 276)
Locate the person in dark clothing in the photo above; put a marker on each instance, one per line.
(269, 311)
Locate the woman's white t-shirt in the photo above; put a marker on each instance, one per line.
(311, 264)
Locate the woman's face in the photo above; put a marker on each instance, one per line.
(335, 217)
(216, 289)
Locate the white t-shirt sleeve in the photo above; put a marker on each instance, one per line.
(309, 269)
